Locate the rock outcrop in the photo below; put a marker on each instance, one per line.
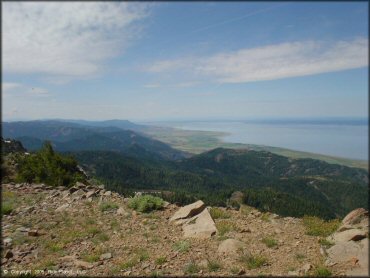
(351, 243)
(188, 211)
(200, 226)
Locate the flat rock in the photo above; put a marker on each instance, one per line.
(106, 256)
(232, 247)
(203, 226)
(347, 235)
(82, 264)
(90, 194)
(188, 211)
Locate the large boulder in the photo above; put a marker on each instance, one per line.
(189, 211)
(355, 217)
(343, 251)
(232, 247)
(200, 226)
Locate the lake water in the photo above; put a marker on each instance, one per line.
(342, 139)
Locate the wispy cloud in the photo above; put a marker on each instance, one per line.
(66, 40)
(273, 61)
(20, 90)
(175, 85)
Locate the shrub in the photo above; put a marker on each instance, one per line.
(181, 246)
(224, 227)
(145, 203)
(322, 271)
(318, 227)
(255, 261)
(325, 242)
(46, 166)
(245, 210)
(104, 206)
(213, 266)
(269, 241)
(217, 213)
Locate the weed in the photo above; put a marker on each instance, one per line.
(102, 237)
(269, 241)
(214, 266)
(318, 227)
(265, 217)
(325, 242)
(181, 246)
(322, 271)
(234, 270)
(107, 206)
(255, 262)
(191, 268)
(300, 256)
(245, 210)
(160, 260)
(224, 227)
(218, 213)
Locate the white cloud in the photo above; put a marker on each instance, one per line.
(8, 86)
(20, 90)
(273, 61)
(67, 40)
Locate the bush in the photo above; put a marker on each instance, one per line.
(145, 203)
(318, 227)
(48, 167)
(217, 213)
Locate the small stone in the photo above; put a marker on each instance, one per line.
(108, 193)
(62, 208)
(22, 229)
(33, 233)
(8, 241)
(241, 272)
(121, 211)
(306, 267)
(245, 230)
(106, 256)
(293, 273)
(8, 254)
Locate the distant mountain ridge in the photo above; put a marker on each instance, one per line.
(73, 136)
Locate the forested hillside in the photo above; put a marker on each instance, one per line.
(326, 190)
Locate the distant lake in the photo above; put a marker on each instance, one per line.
(348, 139)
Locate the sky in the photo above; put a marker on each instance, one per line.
(184, 60)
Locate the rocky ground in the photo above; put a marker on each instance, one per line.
(86, 230)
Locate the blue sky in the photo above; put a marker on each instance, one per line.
(163, 61)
